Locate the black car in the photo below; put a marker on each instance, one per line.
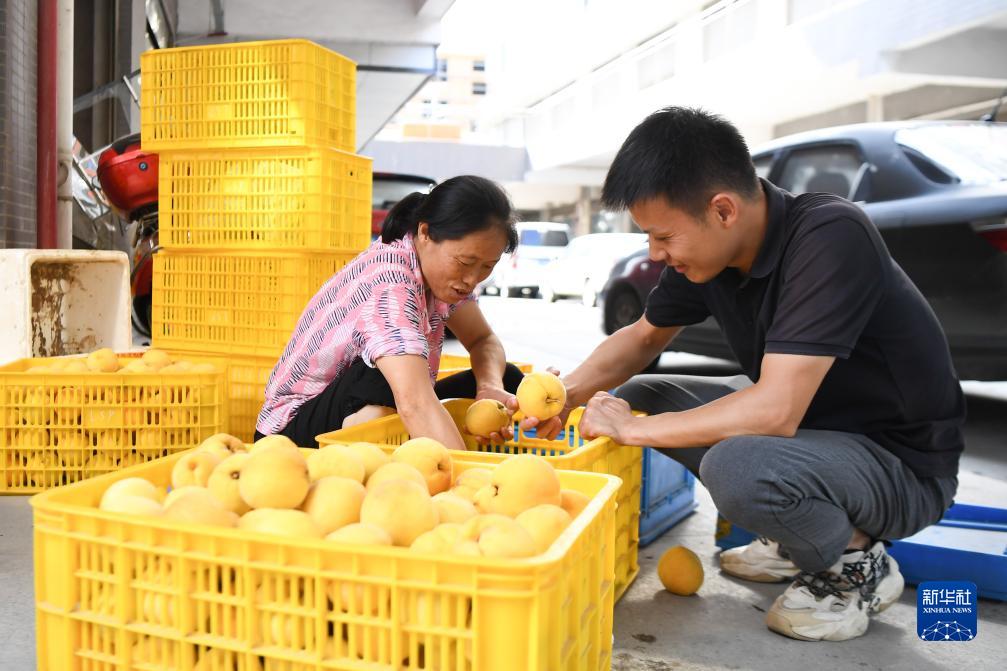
(937, 191)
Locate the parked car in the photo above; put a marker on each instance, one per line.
(583, 267)
(540, 243)
(937, 191)
(390, 188)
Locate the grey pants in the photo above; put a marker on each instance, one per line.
(808, 492)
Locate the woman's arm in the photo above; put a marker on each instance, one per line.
(409, 377)
(486, 351)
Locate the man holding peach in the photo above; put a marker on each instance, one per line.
(846, 428)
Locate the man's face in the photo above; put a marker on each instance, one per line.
(697, 248)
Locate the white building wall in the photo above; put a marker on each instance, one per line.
(580, 75)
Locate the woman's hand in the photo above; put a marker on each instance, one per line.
(510, 401)
(606, 415)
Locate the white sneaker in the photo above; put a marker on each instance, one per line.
(833, 605)
(760, 561)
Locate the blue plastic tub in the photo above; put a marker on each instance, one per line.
(730, 535)
(969, 543)
(667, 495)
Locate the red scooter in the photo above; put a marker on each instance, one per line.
(128, 178)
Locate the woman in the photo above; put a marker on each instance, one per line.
(369, 342)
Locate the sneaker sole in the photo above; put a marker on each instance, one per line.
(782, 626)
(757, 577)
(757, 572)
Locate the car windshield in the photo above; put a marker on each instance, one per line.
(532, 237)
(387, 192)
(974, 154)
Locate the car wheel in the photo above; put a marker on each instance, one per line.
(589, 297)
(548, 295)
(622, 308)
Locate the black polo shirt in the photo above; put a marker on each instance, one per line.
(823, 283)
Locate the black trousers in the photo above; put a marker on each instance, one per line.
(362, 385)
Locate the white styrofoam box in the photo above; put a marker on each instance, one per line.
(61, 301)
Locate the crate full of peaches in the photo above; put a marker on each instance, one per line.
(359, 494)
(65, 419)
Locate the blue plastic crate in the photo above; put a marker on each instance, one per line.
(667, 495)
(969, 543)
(730, 535)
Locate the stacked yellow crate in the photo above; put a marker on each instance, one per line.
(261, 199)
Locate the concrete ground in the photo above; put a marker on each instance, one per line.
(719, 628)
(722, 626)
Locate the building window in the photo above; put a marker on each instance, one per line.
(442, 69)
(656, 66)
(799, 10)
(479, 88)
(479, 66)
(606, 91)
(728, 27)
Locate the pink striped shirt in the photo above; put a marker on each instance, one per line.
(376, 306)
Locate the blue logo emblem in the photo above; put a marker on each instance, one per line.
(947, 611)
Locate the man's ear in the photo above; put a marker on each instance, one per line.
(725, 208)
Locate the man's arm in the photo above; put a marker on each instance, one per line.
(409, 377)
(774, 406)
(618, 358)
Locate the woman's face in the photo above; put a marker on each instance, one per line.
(454, 268)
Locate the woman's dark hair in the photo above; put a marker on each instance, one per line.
(685, 155)
(453, 209)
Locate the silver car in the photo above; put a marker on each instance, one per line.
(585, 264)
(540, 243)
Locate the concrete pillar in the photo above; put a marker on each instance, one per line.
(64, 124)
(875, 108)
(18, 104)
(583, 210)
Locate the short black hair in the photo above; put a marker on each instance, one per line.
(453, 209)
(685, 155)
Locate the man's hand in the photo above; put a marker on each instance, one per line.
(509, 400)
(606, 415)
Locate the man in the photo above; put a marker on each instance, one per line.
(847, 427)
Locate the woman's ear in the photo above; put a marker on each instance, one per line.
(423, 231)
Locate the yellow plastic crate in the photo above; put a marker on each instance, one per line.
(58, 428)
(569, 452)
(453, 363)
(274, 198)
(289, 93)
(246, 379)
(246, 387)
(116, 592)
(238, 303)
